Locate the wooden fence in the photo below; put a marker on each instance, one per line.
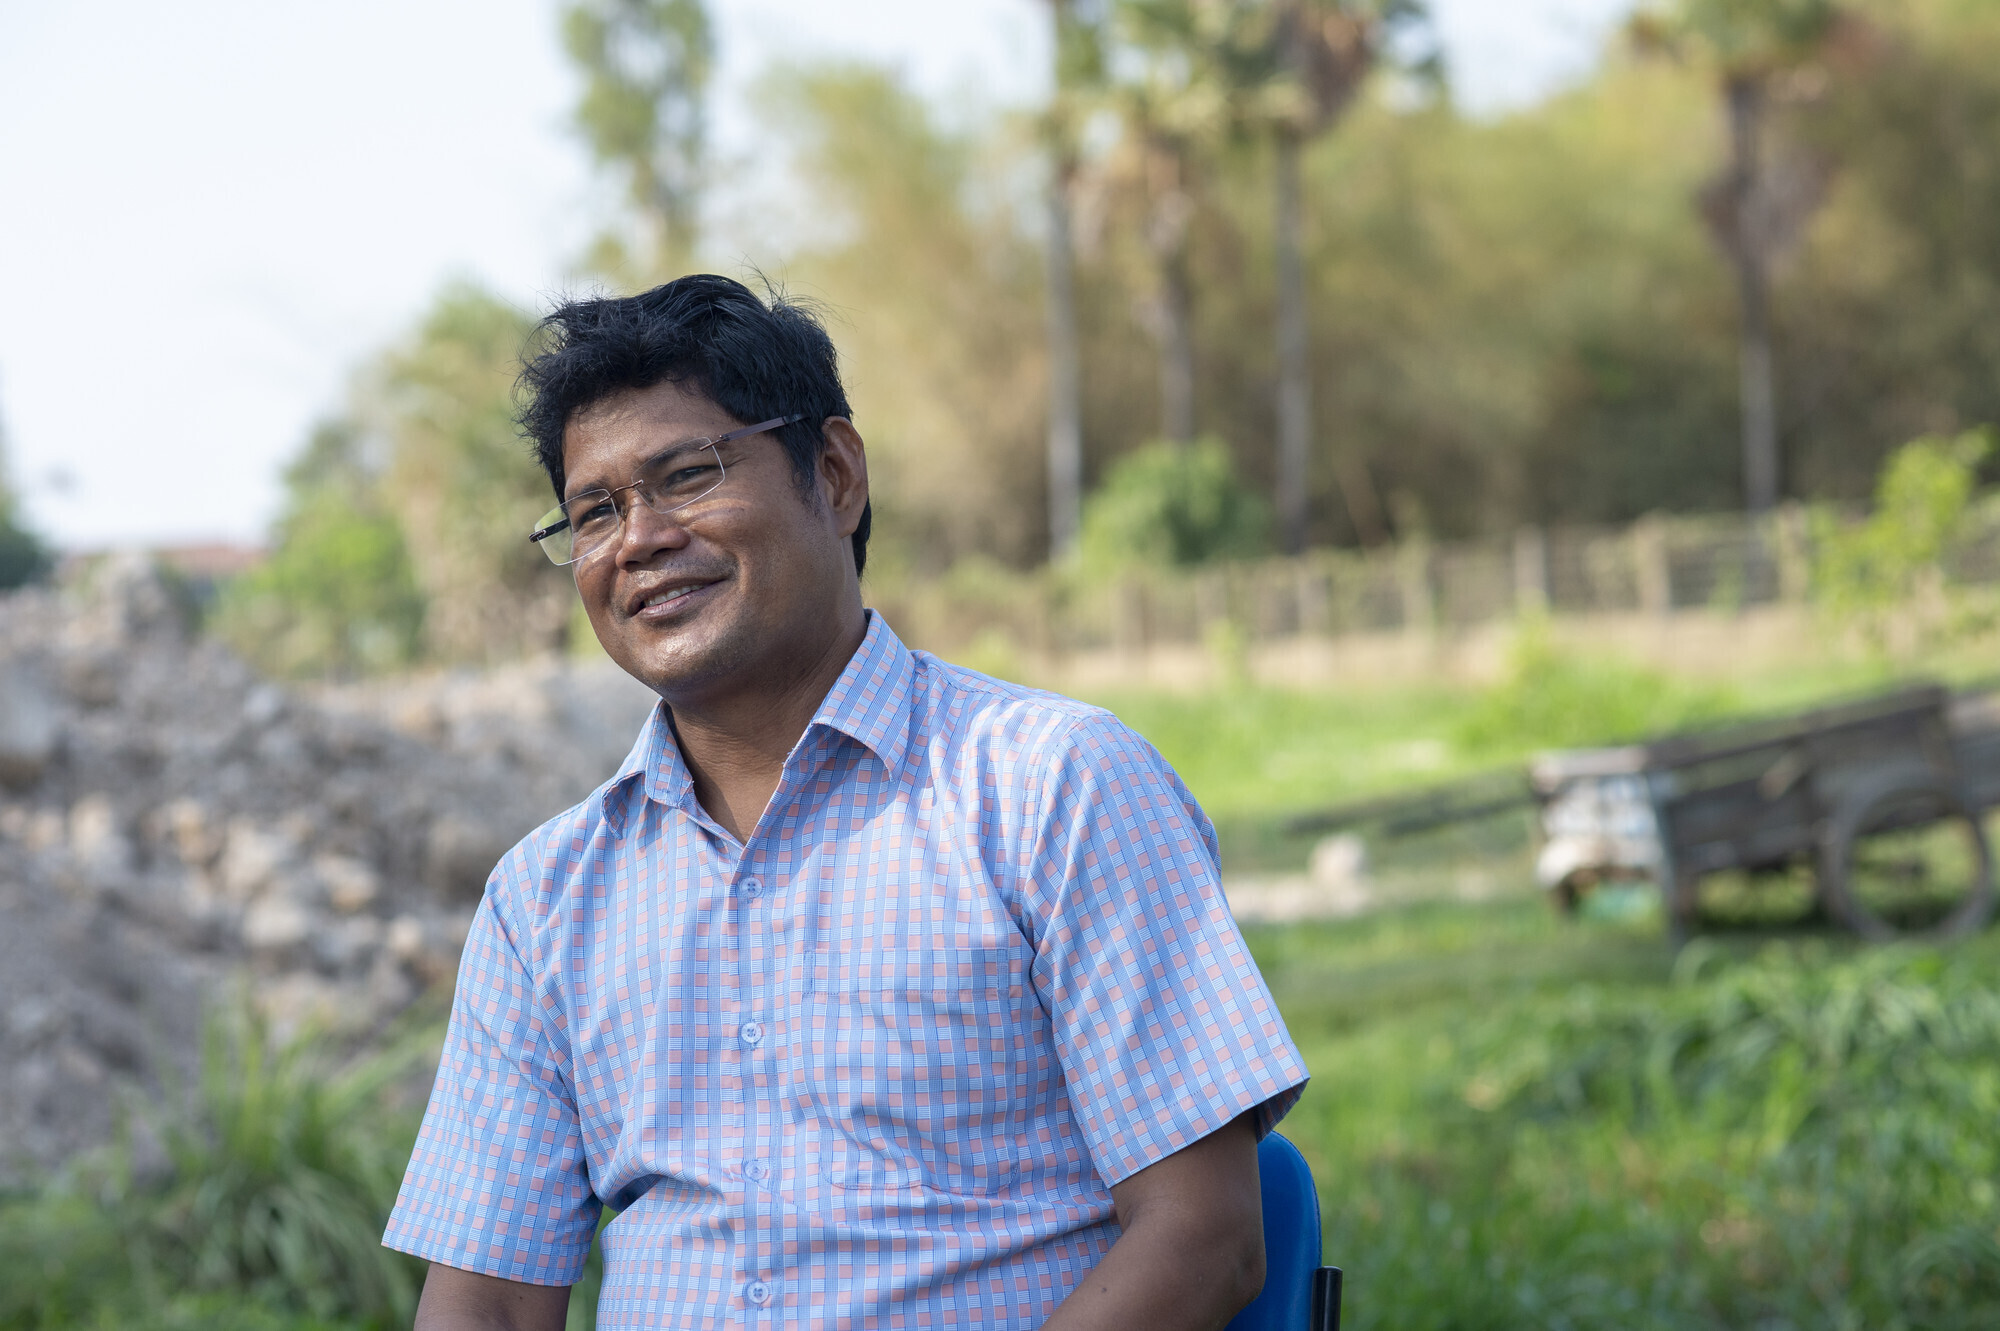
(1656, 566)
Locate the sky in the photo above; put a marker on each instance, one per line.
(211, 212)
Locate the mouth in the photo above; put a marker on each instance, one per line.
(666, 601)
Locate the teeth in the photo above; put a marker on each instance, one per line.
(665, 597)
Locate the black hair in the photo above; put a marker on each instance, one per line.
(753, 358)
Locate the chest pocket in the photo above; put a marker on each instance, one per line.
(921, 1067)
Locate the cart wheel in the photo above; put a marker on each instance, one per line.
(1906, 858)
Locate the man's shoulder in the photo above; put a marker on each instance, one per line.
(1025, 730)
(964, 704)
(536, 871)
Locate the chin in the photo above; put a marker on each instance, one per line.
(685, 659)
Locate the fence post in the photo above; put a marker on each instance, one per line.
(1413, 585)
(1312, 593)
(1649, 562)
(1531, 572)
(1794, 556)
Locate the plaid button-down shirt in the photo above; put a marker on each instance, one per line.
(880, 1065)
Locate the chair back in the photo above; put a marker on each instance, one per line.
(1298, 1294)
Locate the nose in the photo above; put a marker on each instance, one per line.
(644, 534)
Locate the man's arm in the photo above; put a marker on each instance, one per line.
(456, 1300)
(1192, 1251)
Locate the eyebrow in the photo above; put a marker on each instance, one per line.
(653, 460)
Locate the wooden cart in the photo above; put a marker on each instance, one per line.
(1882, 798)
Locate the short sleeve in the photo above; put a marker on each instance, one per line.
(498, 1182)
(1164, 1028)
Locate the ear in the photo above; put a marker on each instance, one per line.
(843, 473)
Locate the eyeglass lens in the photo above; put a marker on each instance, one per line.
(666, 483)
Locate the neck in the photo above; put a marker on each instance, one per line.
(735, 742)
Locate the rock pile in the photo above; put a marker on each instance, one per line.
(173, 830)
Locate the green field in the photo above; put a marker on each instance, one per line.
(1516, 1120)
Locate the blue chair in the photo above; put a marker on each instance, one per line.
(1299, 1294)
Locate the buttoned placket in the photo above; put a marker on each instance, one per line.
(755, 953)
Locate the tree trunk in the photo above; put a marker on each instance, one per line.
(1750, 253)
(1294, 374)
(1065, 441)
(1176, 349)
(1065, 369)
(1172, 312)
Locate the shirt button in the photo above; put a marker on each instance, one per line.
(752, 1032)
(757, 1292)
(753, 887)
(756, 1171)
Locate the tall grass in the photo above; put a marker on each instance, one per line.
(1546, 1128)
(267, 1208)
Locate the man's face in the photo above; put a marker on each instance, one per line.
(735, 591)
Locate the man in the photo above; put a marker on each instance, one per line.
(870, 991)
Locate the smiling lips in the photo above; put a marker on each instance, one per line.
(667, 599)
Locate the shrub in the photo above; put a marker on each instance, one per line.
(277, 1184)
(1886, 577)
(1171, 504)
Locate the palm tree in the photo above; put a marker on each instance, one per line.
(1175, 101)
(1321, 51)
(646, 66)
(1758, 206)
(1079, 69)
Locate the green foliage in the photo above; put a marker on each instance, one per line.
(1521, 1122)
(1886, 576)
(463, 486)
(1170, 505)
(935, 298)
(337, 593)
(1551, 698)
(24, 557)
(646, 67)
(278, 1182)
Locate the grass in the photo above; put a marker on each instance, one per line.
(1255, 756)
(1520, 1121)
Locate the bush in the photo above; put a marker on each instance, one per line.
(269, 1212)
(1550, 698)
(337, 594)
(1171, 504)
(1886, 576)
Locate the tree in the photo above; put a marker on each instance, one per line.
(1758, 207)
(646, 67)
(1079, 69)
(1321, 51)
(463, 486)
(1174, 97)
(336, 594)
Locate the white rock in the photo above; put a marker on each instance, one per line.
(276, 924)
(30, 723)
(187, 827)
(251, 859)
(99, 844)
(351, 884)
(1339, 863)
(406, 938)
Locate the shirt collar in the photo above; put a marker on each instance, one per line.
(870, 703)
